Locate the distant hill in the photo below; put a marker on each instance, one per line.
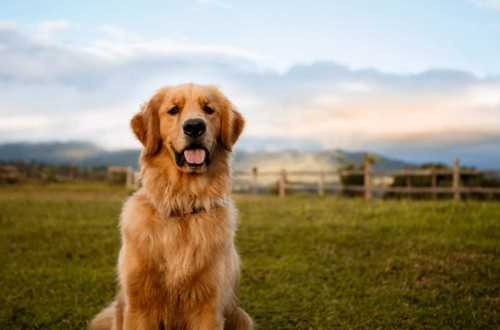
(87, 154)
(294, 160)
(51, 152)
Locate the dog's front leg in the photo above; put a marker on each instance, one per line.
(139, 320)
(141, 292)
(206, 317)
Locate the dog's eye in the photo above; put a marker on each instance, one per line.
(173, 111)
(208, 110)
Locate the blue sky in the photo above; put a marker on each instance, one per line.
(419, 80)
(389, 35)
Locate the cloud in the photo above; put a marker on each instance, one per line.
(492, 4)
(216, 3)
(49, 30)
(51, 89)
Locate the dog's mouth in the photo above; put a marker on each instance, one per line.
(194, 156)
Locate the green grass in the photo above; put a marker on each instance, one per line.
(308, 262)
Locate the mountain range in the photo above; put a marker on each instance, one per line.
(88, 154)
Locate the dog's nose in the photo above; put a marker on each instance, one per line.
(194, 127)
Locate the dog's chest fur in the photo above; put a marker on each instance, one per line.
(176, 249)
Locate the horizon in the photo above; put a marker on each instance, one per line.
(412, 81)
(250, 151)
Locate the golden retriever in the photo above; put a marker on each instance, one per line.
(178, 267)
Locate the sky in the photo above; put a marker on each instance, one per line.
(415, 80)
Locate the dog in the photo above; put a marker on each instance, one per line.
(178, 267)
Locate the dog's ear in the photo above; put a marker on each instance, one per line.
(146, 125)
(231, 127)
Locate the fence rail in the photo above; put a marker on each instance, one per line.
(374, 183)
(321, 182)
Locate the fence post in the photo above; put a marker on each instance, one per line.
(282, 184)
(130, 178)
(255, 173)
(341, 185)
(368, 178)
(408, 184)
(137, 181)
(321, 183)
(456, 179)
(434, 182)
(72, 171)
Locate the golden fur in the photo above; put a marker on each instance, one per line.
(178, 267)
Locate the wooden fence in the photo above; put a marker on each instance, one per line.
(131, 177)
(375, 183)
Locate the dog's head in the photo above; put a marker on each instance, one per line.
(194, 123)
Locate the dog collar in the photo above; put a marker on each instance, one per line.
(177, 213)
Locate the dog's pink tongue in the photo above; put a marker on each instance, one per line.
(195, 156)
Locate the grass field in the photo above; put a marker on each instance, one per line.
(308, 262)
